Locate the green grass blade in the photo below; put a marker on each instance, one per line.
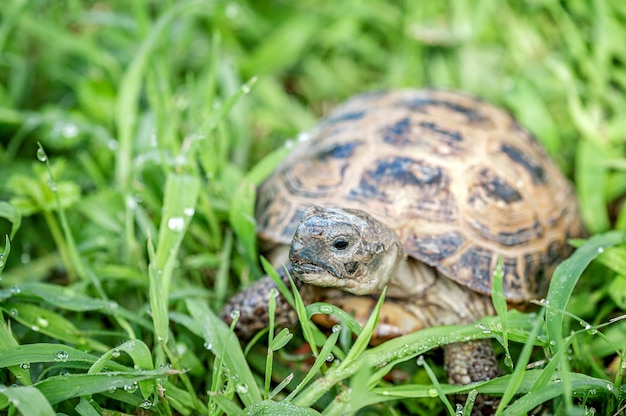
(520, 368)
(7, 342)
(84, 408)
(500, 305)
(565, 278)
(128, 99)
(48, 353)
(322, 357)
(52, 324)
(60, 388)
(179, 204)
(5, 254)
(28, 400)
(8, 212)
(561, 287)
(225, 346)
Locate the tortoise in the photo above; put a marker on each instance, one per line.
(421, 191)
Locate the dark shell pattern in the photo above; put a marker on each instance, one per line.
(458, 179)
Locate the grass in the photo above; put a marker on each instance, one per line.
(132, 135)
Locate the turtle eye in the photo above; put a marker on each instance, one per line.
(340, 243)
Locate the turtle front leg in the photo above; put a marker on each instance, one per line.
(251, 303)
(470, 362)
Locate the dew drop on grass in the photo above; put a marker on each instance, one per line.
(115, 353)
(15, 290)
(13, 312)
(64, 373)
(330, 358)
(326, 309)
(34, 328)
(42, 322)
(41, 155)
(235, 314)
(336, 328)
(609, 387)
(420, 361)
(241, 388)
(112, 389)
(432, 392)
(61, 356)
(600, 249)
(146, 404)
(130, 388)
(176, 224)
(303, 137)
(508, 361)
(25, 366)
(273, 293)
(484, 328)
(189, 211)
(208, 346)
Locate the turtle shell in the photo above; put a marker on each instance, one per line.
(458, 179)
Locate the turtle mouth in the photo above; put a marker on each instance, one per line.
(303, 268)
(310, 271)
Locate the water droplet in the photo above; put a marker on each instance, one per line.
(326, 309)
(34, 328)
(64, 373)
(69, 130)
(432, 392)
(115, 353)
(484, 328)
(113, 144)
(273, 293)
(600, 249)
(241, 388)
(41, 155)
(336, 328)
(591, 330)
(235, 314)
(592, 391)
(112, 389)
(303, 137)
(13, 312)
(232, 10)
(176, 224)
(189, 211)
(330, 357)
(15, 290)
(420, 360)
(113, 305)
(610, 387)
(25, 366)
(208, 346)
(43, 322)
(25, 258)
(557, 380)
(130, 388)
(146, 404)
(61, 356)
(508, 361)
(52, 185)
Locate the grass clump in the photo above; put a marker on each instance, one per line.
(132, 135)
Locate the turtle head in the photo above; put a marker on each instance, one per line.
(346, 249)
